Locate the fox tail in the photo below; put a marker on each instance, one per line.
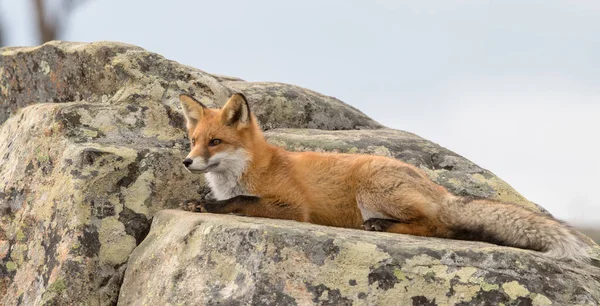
(512, 225)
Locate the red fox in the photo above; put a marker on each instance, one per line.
(248, 176)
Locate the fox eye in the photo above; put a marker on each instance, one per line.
(214, 142)
(193, 142)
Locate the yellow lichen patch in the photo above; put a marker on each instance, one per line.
(504, 192)
(55, 288)
(399, 274)
(515, 290)
(454, 182)
(157, 125)
(432, 174)
(540, 300)
(137, 194)
(84, 115)
(123, 61)
(20, 236)
(11, 266)
(89, 133)
(432, 279)
(463, 293)
(18, 253)
(44, 204)
(58, 286)
(485, 286)
(42, 158)
(115, 244)
(424, 261)
(227, 270)
(353, 150)
(401, 294)
(380, 150)
(3, 89)
(357, 255)
(104, 120)
(45, 67)
(438, 271)
(224, 267)
(465, 273)
(157, 90)
(75, 246)
(354, 255)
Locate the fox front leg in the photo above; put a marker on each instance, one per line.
(233, 205)
(250, 206)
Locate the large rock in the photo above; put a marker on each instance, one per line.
(285, 106)
(91, 144)
(73, 210)
(206, 259)
(116, 74)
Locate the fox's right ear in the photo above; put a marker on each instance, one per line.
(192, 109)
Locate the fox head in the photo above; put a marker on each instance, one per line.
(220, 139)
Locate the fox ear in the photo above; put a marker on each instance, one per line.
(192, 109)
(236, 111)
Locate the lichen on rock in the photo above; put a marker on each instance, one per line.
(91, 142)
(206, 259)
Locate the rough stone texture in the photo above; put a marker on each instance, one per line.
(91, 146)
(112, 73)
(72, 210)
(205, 259)
(91, 143)
(285, 106)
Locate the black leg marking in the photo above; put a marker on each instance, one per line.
(231, 205)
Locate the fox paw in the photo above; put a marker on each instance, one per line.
(378, 225)
(201, 206)
(192, 205)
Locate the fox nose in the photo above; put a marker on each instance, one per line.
(187, 162)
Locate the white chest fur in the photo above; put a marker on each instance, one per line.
(225, 185)
(225, 180)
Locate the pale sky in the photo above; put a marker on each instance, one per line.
(513, 86)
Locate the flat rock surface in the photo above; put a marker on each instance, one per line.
(205, 259)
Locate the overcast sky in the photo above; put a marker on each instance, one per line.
(513, 86)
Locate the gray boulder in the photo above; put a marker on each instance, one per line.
(205, 259)
(91, 143)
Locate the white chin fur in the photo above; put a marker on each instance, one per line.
(224, 177)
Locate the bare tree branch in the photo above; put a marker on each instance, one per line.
(49, 25)
(46, 24)
(1, 35)
(1, 31)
